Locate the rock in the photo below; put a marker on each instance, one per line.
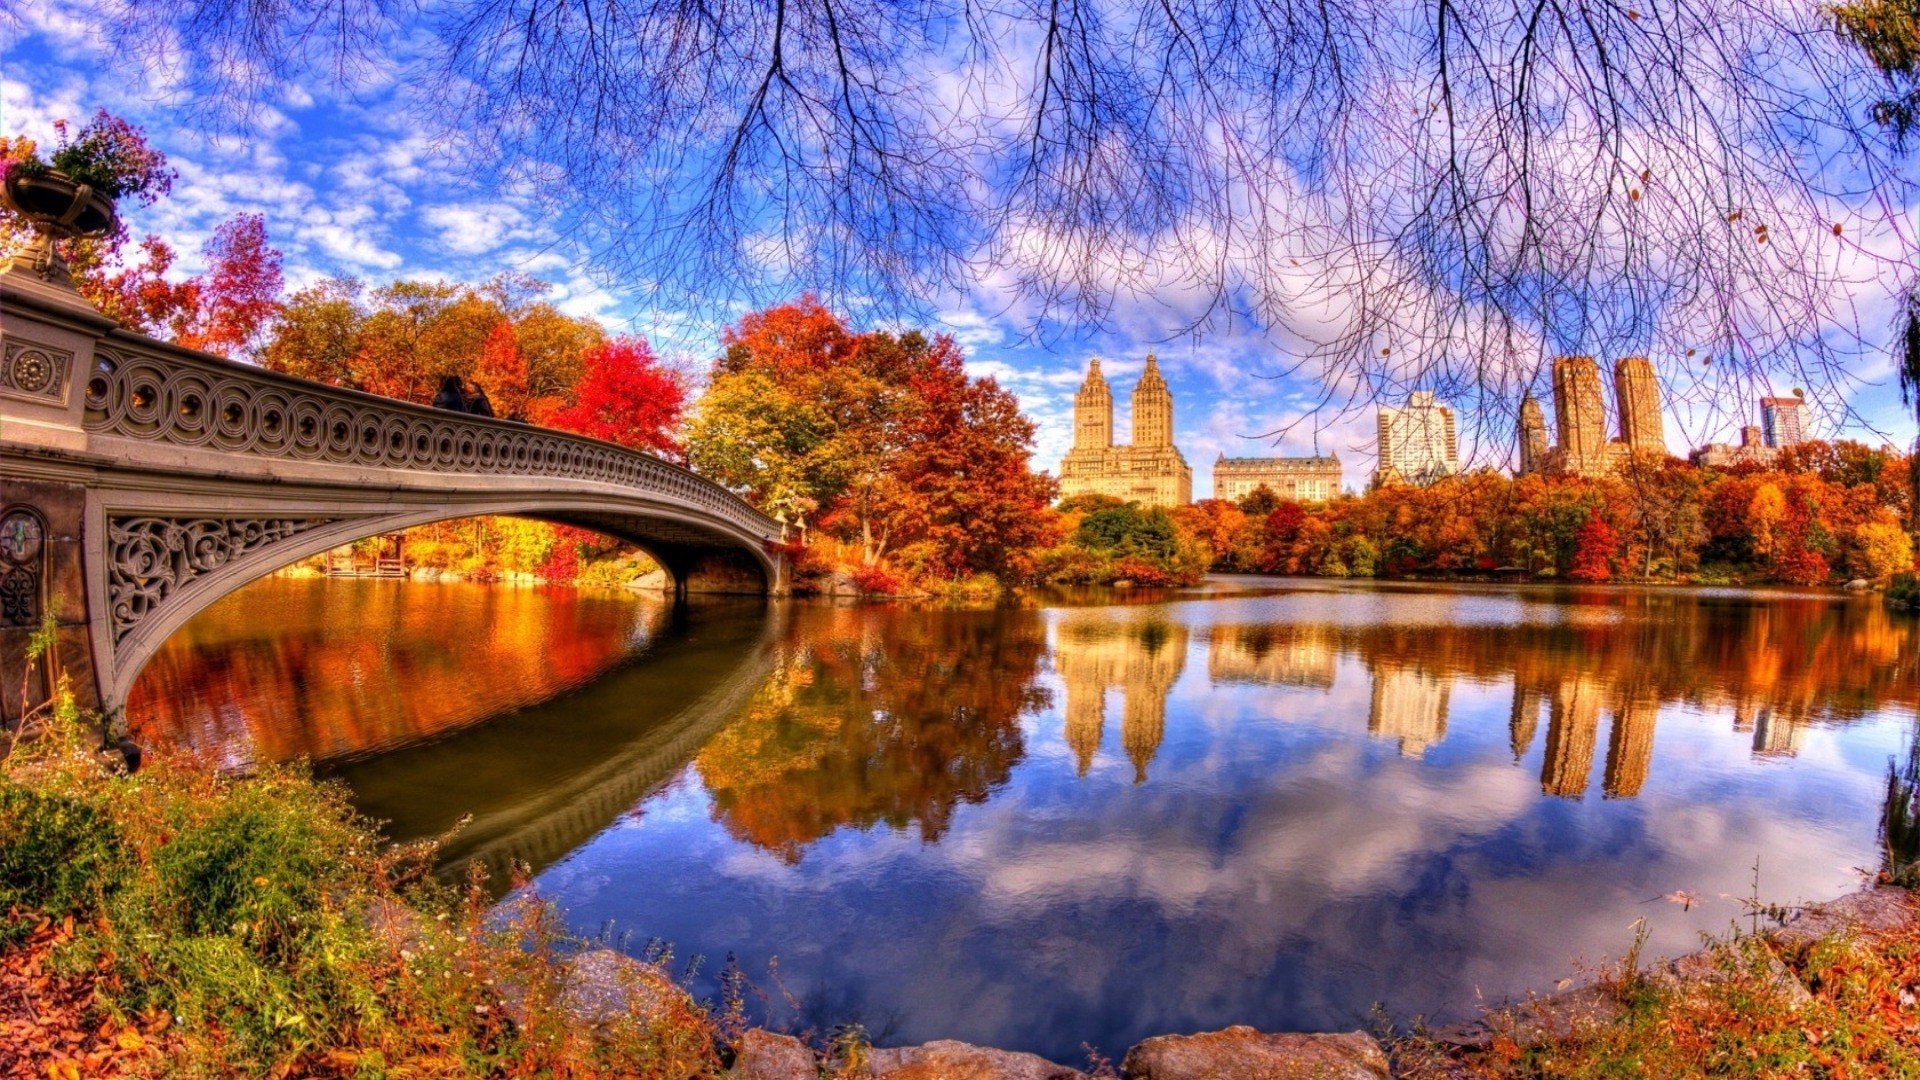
(1241, 1053)
(603, 986)
(1877, 908)
(1536, 1021)
(657, 581)
(948, 1060)
(840, 583)
(1719, 965)
(1859, 585)
(763, 1055)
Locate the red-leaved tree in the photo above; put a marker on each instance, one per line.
(1595, 545)
(626, 396)
(240, 292)
(222, 311)
(961, 490)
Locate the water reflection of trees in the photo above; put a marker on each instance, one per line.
(278, 672)
(876, 715)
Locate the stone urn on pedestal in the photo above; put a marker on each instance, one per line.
(59, 208)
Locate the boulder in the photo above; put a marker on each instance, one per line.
(1880, 908)
(840, 583)
(604, 986)
(1242, 1053)
(1537, 1020)
(1859, 585)
(1725, 964)
(763, 1055)
(947, 1060)
(657, 581)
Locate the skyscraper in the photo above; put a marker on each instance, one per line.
(1151, 471)
(1093, 412)
(1152, 409)
(1637, 395)
(1780, 419)
(1418, 443)
(1533, 437)
(1580, 411)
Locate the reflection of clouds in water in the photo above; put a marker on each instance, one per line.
(1283, 864)
(1305, 878)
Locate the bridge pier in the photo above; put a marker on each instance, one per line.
(42, 573)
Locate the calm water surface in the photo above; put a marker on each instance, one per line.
(1267, 802)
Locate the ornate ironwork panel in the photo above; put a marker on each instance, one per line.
(23, 560)
(195, 401)
(150, 560)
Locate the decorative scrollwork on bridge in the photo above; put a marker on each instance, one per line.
(190, 400)
(150, 560)
(34, 371)
(23, 555)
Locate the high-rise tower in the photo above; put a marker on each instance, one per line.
(1580, 412)
(1637, 394)
(1533, 436)
(1780, 419)
(1418, 442)
(1093, 412)
(1152, 409)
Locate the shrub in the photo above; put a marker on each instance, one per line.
(1141, 572)
(877, 580)
(55, 850)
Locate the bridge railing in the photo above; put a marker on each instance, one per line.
(146, 390)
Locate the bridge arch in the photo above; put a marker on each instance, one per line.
(167, 478)
(163, 570)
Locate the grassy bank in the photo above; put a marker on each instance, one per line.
(1836, 1001)
(179, 922)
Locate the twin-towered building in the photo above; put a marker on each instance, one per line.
(1150, 471)
(1580, 419)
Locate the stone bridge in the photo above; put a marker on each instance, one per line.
(140, 482)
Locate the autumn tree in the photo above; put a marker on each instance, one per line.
(240, 292)
(317, 335)
(502, 372)
(1595, 546)
(627, 396)
(960, 495)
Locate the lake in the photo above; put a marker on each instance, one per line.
(1096, 816)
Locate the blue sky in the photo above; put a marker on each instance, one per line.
(349, 184)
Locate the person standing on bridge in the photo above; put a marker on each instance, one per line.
(450, 396)
(477, 402)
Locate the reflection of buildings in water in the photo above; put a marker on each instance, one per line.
(1410, 705)
(1144, 660)
(1775, 735)
(1572, 728)
(1272, 655)
(1525, 719)
(1630, 743)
